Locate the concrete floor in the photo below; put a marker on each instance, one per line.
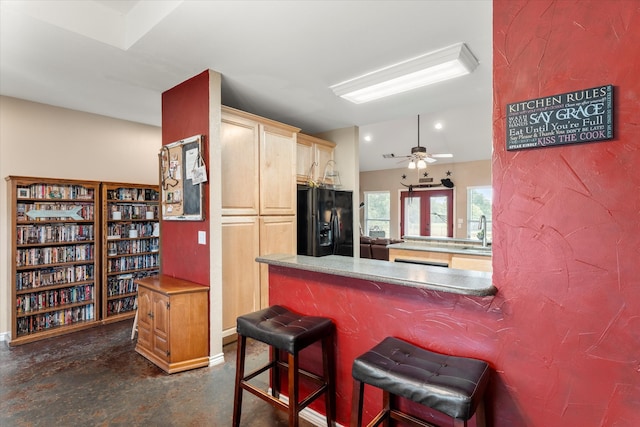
(95, 378)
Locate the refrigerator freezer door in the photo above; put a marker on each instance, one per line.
(344, 213)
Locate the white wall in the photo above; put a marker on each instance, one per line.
(43, 141)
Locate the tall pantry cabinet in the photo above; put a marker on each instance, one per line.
(258, 207)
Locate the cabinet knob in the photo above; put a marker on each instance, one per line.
(150, 315)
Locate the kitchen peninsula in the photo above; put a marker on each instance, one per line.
(371, 299)
(464, 254)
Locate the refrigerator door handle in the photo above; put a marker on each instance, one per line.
(335, 225)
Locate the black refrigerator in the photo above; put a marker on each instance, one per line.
(325, 221)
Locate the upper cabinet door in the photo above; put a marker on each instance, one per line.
(313, 155)
(305, 158)
(277, 171)
(323, 155)
(240, 163)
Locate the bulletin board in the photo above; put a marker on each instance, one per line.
(183, 174)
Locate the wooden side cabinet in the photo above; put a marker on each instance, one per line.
(173, 323)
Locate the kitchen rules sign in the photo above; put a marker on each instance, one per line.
(569, 118)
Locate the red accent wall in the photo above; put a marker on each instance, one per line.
(563, 333)
(185, 113)
(567, 221)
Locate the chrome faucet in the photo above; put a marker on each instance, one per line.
(483, 227)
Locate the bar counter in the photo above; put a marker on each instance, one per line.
(464, 282)
(444, 310)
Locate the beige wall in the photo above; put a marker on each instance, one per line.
(463, 175)
(44, 141)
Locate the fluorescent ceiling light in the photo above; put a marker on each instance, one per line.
(432, 67)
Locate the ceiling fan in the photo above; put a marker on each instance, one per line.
(419, 156)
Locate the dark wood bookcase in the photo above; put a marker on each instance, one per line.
(54, 256)
(130, 245)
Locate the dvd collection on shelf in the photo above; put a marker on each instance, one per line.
(131, 245)
(60, 242)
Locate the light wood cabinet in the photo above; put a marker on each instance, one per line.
(277, 236)
(259, 203)
(173, 323)
(471, 262)
(436, 258)
(277, 171)
(240, 272)
(240, 163)
(444, 259)
(312, 156)
(258, 165)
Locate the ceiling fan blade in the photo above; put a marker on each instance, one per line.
(430, 159)
(442, 156)
(393, 156)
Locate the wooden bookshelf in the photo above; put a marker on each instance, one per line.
(130, 245)
(54, 256)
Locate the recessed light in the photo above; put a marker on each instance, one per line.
(438, 125)
(367, 138)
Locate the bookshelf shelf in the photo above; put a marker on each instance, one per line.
(130, 245)
(54, 256)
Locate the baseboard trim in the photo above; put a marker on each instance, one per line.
(5, 336)
(216, 359)
(309, 415)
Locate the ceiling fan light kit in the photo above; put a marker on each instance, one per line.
(419, 157)
(433, 67)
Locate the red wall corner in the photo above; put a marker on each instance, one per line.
(185, 113)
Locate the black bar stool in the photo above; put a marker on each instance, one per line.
(452, 385)
(284, 330)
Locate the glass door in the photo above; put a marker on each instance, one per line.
(427, 213)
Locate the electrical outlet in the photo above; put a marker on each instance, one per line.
(202, 237)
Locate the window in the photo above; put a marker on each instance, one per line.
(478, 204)
(377, 206)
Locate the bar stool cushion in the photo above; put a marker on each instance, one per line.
(283, 329)
(449, 384)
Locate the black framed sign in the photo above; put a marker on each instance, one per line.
(569, 118)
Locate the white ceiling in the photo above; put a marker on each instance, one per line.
(277, 59)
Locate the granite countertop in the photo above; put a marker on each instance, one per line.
(452, 246)
(463, 282)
